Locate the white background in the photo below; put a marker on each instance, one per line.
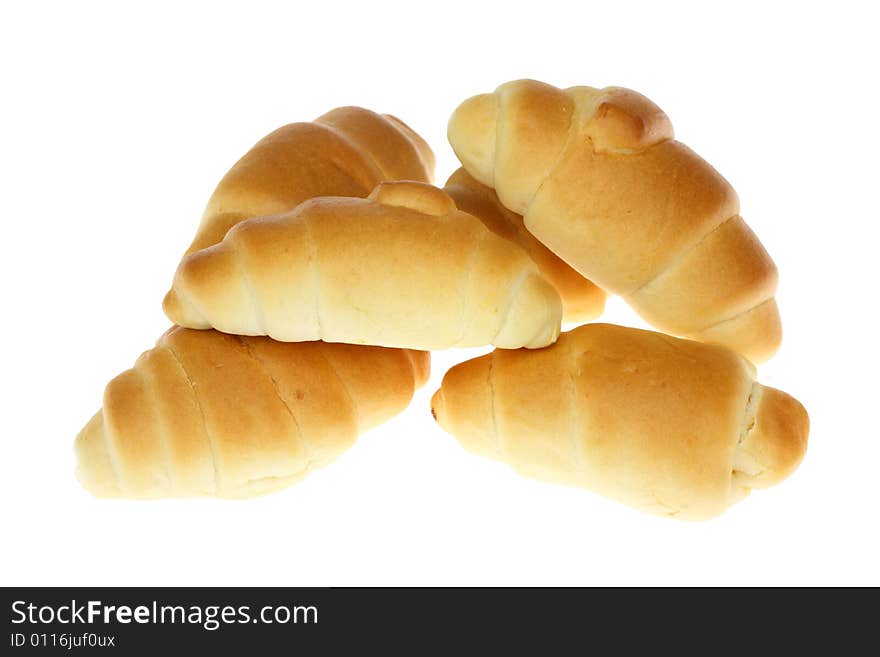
(116, 125)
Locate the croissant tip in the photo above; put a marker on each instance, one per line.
(171, 306)
(182, 313)
(94, 466)
(756, 333)
(777, 441)
(472, 135)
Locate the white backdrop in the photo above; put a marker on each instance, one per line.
(116, 125)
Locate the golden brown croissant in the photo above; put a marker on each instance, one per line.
(669, 426)
(204, 413)
(345, 152)
(403, 268)
(600, 180)
(581, 300)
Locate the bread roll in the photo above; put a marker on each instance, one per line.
(601, 182)
(204, 413)
(668, 426)
(403, 268)
(581, 300)
(345, 152)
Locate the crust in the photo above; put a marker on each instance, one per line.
(205, 413)
(736, 274)
(581, 300)
(533, 125)
(393, 146)
(345, 152)
(621, 220)
(333, 269)
(756, 333)
(652, 421)
(625, 121)
(288, 166)
(623, 204)
(774, 443)
(472, 133)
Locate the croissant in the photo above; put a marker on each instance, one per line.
(602, 183)
(204, 413)
(403, 268)
(345, 152)
(665, 425)
(581, 300)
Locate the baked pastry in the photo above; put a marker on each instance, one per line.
(345, 152)
(204, 413)
(665, 425)
(601, 182)
(403, 268)
(581, 299)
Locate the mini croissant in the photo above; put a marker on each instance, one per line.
(668, 426)
(345, 152)
(600, 180)
(402, 268)
(204, 413)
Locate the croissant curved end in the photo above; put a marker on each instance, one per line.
(209, 290)
(463, 406)
(534, 318)
(94, 469)
(756, 333)
(472, 135)
(774, 442)
(182, 313)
